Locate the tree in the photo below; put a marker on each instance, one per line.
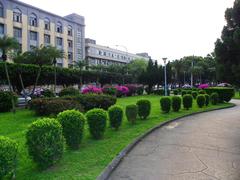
(227, 48)
(136, 68)
(80, 65)
(6, 45)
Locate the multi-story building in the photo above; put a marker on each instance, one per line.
(32, 26)
(98, 54)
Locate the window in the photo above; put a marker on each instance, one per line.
(17, 15)
(70, 44)
(59, 27)
(1, 28)
(33, 20)
(70, 56)
(46, 39)
(17, 32)
(1, 10)
(46, 24)
(70, 30)
(59, 41)
(33, 36)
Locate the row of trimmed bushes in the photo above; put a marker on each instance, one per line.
(53, 106)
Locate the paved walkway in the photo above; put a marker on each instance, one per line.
(201, 147)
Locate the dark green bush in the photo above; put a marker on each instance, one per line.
(176, 103)
(53, 106)
(207, 99)
(175, 91)
(45, 142)
(224, 93)
(165, 103)
(6, 101)
(201, 100)
(70, 91)
(189, 92)
(47, 93)
(214, 98)
(184, 92)
(131, 113)
(115, 114)
(161, 92)
(140, 90)
(8, 157)
(144, 108)
(202, 92)
(72, 122)
(187, 101)
(194, 94)
(109, 90)
(97, 121)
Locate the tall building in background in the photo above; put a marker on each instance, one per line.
(33, 27)
(103, 55)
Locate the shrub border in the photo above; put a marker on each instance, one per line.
(105, 174)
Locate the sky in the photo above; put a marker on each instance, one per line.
(162, 28)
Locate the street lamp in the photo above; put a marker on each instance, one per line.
(165, 76)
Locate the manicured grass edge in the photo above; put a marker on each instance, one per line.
(117, 160)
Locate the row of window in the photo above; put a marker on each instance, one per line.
(104, 62)
(33, 20)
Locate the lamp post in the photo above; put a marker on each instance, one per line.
(165, 76)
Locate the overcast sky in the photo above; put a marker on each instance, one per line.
(163, 28)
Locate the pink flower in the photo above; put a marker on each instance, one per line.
(203, 86)
(91, 89)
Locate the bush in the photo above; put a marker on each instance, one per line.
(132, 89)
(70, 91)
(189, 92)
(8, 156)
(122, 91)
(131, 113)
(72, 122)
(187, 101)
(92, 90)
(109, 90)
(194, 94)
(175, 91)
(45, 142)
(165, 103)
(53, 106)
(47, 93)
(144, 108)
(140, 90)
(176, 103)
(207, 98)
(202, 92)
(97, 121)
(161, 92)
(214, 98)
(6, 101)
(201, 100)
(224, 93)
(115, 114)
(184, 92)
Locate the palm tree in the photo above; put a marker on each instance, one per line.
(7, 44)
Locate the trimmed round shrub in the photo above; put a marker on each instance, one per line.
(72, 122)
(8, 156)
(97, 122)
(131, 113)
(184, 92)
(45, 142)
(115, 114)
(207, 99)
(201, 100)
(194, 94)
(189, 92)
(175, 91)
(70, 91)
(224, 93)
(6, 101)
(214, 98)
(176, 103)
(144, 108)
(165, 103)
(47, 93)
(202, 92)
(187, 101)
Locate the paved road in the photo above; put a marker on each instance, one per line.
(201, 147)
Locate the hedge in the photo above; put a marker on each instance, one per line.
(224, 93)
(165, 103)
(6, 101)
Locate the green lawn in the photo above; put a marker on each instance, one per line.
(93, 156)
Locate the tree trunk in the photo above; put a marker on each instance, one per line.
(36, 82)
(24, 92)
(55, 79)
(10, 87)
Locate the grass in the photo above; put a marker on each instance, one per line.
(237, 95)
(93, 156)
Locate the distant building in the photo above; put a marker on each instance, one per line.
(33, 27)
(103, 55)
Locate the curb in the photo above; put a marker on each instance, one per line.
(117, 160)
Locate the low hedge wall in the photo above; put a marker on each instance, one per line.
(224, 93)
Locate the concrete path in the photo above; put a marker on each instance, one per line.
(201, 147)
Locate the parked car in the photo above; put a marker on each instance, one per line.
(224, 85)
(21, 101)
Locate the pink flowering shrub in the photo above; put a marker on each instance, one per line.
(92, 89)
(110, 90)
(203, 86)
(122, 90)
